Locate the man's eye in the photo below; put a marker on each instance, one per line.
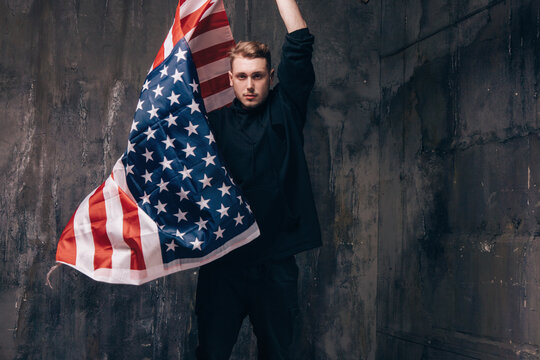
(257, 76)
(241, 77)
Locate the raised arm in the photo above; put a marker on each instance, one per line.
(291, 15)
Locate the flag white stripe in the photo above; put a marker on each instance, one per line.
(121, 256)
(82, 229)
(190, 7)
(212, 70)
(217, 7)
(119, 173)
(151, 246)
(168, 44)
(219, 99)
(210, 38)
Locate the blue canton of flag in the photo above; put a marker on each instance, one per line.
(172, 167)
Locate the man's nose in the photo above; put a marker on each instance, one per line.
(250, 83)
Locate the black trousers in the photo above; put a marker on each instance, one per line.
(267, 293)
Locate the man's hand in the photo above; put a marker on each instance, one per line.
(290, 13)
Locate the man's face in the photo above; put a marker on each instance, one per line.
(250, 80)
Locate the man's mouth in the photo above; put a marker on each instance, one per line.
(250, 96)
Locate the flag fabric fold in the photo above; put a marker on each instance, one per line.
(169, 203)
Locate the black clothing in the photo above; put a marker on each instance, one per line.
(263, 150)
(265, 292)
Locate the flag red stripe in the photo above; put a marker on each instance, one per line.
(211, 22)
(67, 246)
(211, 54)
(98, 220)
(159, 58)
(132, 230)
(215, 85)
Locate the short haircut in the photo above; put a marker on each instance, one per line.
(251, 50)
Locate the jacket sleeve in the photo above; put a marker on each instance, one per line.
(295, 72)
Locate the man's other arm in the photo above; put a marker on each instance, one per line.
(291, 15)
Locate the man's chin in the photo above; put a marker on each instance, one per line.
(250, 105)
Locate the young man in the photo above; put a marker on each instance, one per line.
(260, 139)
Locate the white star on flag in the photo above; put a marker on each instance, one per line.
(196, 244)
(209, 159)
(223, 211)
(201, 223)
(160, 207)
(171, 246)
(194, 106)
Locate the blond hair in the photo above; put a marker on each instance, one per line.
(251, 50)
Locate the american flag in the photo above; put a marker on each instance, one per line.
(169, 203)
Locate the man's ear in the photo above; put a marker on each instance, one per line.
(230, 78)
(271, 76)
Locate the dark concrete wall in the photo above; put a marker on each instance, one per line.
(458, 255)
(70, 74)
(422, 143)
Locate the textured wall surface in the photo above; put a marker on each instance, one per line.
(458, 250)
(422, 142)
(70, 74)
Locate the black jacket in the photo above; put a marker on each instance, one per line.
(263, 150)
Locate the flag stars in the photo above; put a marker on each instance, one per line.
(166, 163)
(168, 142)
(183, 194)
(189, 150)
(150, 133)
(181, 215)
(129, 169)
(210, 138)
(177, 76)
(194, 86)
(196, 244)
(160, 207)
(203, 203)
(209, 159)
(179, 234)
(134, 126)
(219, 232)
(180, 54)
(194, 106)
(139, 105)
(145, 85)
(238, 220)
(201, 223)
(148, 155)
(192, 129)
(186, 173)
(164, 71)
(145, 198)
(153, 112)
(225, 190)
(223, 211)
(130, 147)
(158, 91)
(147, 177)
(174, 98)
(163, 185)
(205, 181)
(171, 120)
(171, 246)
(240, 199)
